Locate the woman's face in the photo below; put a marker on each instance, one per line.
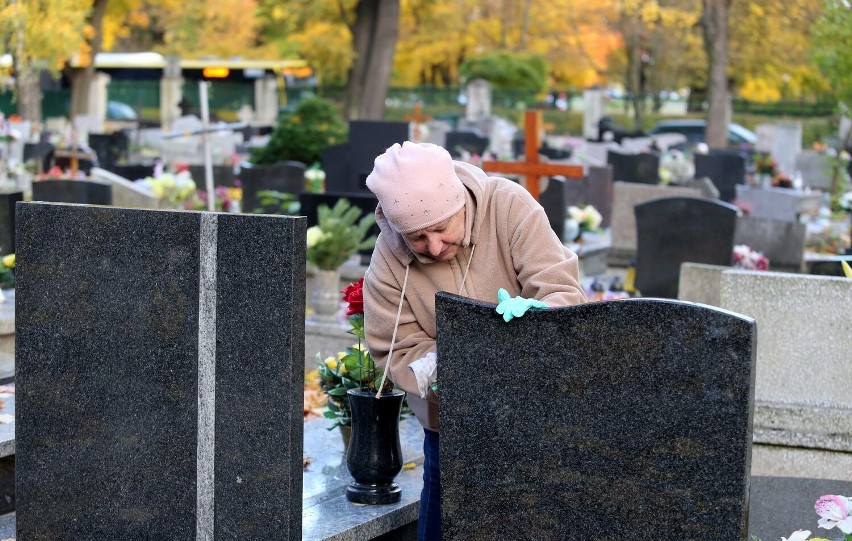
(441, 241)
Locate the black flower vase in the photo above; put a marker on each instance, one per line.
(374, 456)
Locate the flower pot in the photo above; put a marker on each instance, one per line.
(325, 297)
(345, 436)
(374, 456)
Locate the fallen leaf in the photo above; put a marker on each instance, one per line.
(409, 466)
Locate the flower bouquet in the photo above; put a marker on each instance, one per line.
(833, 511)
(675, 167)
(746, 258)
(338, 235)
(174, 188)
(350, 369)
(582, 220)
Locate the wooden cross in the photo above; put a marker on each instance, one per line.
(416, 119)
(533, 168)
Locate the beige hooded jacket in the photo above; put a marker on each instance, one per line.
(508, 243)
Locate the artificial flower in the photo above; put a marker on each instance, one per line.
(798, 535)
(9, 261)
(315, 236)
(834, 511)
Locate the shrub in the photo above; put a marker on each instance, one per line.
(301, 135)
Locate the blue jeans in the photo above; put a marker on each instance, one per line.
(429, 523)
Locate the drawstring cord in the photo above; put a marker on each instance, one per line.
(399, 313)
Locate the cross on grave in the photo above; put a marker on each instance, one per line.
(532, 168)
(416, 119)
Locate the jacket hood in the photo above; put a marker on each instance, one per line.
(473, 180)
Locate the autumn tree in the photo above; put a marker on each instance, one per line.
(714, 22)
(40, 35)
(832, 49)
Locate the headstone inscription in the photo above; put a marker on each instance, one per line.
(86, 192)
(159, 369)
(671, 231)
(580, 449)
(643, 168)
(725, 168)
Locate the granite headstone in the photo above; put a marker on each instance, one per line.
(159, 369)
(592, 436)
(8, 201)
(674, 230)
(468, 141)
(642, 168)
(111, 148)
(87, 192)
(285, 177)
(725, 168)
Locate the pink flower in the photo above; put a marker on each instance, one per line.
(834, 511)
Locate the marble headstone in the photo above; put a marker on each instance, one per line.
(641, 168)
(159, 374)
(593, 108)
(676, 230)
(478, 93)
(591, 436)
(786, 145)
(725, 168)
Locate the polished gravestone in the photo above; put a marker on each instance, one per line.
(8, 200)
(643, 168)
(609, 420)
(468, 141)
(159, 368)
(675, 230)
(349, 164)
(284, 177)
(87, 192)
(726, 168)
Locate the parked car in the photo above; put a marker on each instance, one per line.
(693, 129)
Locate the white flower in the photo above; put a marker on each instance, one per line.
(315, 175)
(798, 535)
(846, 201)
(593, 217)
(834, 511)
(315, 236)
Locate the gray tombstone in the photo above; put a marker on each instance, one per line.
(782, 242)
(83, 192)
(553, 200)
(608, 420)
(478, 94)
(815, 168)
(159, 374)
(726, 168)
(675, 230)
(642, 168)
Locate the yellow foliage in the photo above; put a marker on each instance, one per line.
(759, 90)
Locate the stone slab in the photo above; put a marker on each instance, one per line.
(782, 242)
(781, 204)
(701, 283)
(580, 450)
(626, 195)
(123, 319)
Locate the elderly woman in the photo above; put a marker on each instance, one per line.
(448, 226)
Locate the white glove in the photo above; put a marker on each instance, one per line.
(426, 372)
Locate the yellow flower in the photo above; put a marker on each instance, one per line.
(9, 261)
(315, 236)
(331, 363)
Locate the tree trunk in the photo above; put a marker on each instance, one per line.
(81, 81)
(28, 92)
(374, 35)
(714, 21)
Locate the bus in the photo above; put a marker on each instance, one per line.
(135, 81)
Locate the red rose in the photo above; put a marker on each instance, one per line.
(353, 294)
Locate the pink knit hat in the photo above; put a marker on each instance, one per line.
(416, 185)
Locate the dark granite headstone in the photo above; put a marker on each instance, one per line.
(132, 171)
(335, 164)
(643, 168)
(223, 175)
(7, 221)
(41, 153)
(285, 177)
(469, 141)
(609, 420)
(594, 189)
(367, 140)
(111, 148)
(553, 201)
(725, 168)
(160, 359)
(87, 192)
(675, 230)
